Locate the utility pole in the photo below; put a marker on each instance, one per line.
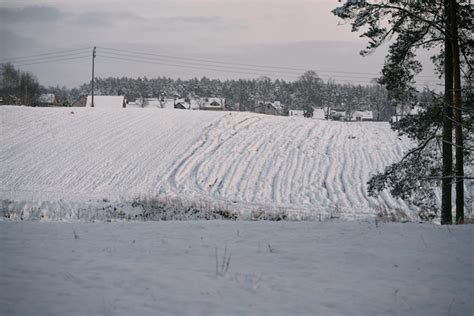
(92, 82)
(26, 94)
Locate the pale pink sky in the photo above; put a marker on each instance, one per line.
(302, 34)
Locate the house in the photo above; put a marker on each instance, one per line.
(167, 103)
(319, 113)
(150, 102)
(81, 102)
(48, 99)
(182, 104)
(297, 113)
(363, 115)
(270, 108)
(403, 110)
(212, 104)
(338, 114)
(107, 101)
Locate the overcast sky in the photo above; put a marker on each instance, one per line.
(288, 33)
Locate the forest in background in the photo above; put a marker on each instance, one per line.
(308, 91)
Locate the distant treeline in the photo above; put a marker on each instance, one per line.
(243, 94)
(18, 87)
(306, 92)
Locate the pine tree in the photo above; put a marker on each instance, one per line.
(414, 25)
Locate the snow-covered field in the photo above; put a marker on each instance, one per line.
(64, 164)
(275, 268)
(56, 162)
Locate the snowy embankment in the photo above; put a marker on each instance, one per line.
(284, 268)
(66, 163)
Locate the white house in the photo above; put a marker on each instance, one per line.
(319, 113)
(297, 113)
(151, 103)
(268, 107)
(363, 115)
(338, 114)
(107, 101)
(402, 111)
(48, 99)
(212, 104)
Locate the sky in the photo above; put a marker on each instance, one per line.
(183, 37)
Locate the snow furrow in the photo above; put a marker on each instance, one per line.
(264, 161)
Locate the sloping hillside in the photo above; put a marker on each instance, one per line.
(243, 160)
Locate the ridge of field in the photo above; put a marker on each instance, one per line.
(245, 160)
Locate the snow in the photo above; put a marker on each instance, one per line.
(58, 165)
(57, 159)
(275, 268)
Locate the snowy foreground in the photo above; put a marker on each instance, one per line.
(69, 163)
(275, 268)
(84, 172)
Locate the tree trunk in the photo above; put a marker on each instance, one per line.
(446, 182)
(457, 114)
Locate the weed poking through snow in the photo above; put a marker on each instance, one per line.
(223, 267)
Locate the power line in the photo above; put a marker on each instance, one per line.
(10, 59)
(214, 69)
(237, 64)
(183, 62)
(185, 66)
(52, 61)
(143, 60)
(48, 58)
(224, 67)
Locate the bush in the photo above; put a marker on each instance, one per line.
(262, 215)
(396, 215)
(156, 209)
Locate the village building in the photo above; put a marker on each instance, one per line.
(363, 115)
(48, 99)
(101, 101)
(150, 102)
(296, 113)
(270, 108)
(404, 110)
(211, 104)
(107, 101)
(319, 113)
(81, 102)
(338, 114)
(181, 104)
